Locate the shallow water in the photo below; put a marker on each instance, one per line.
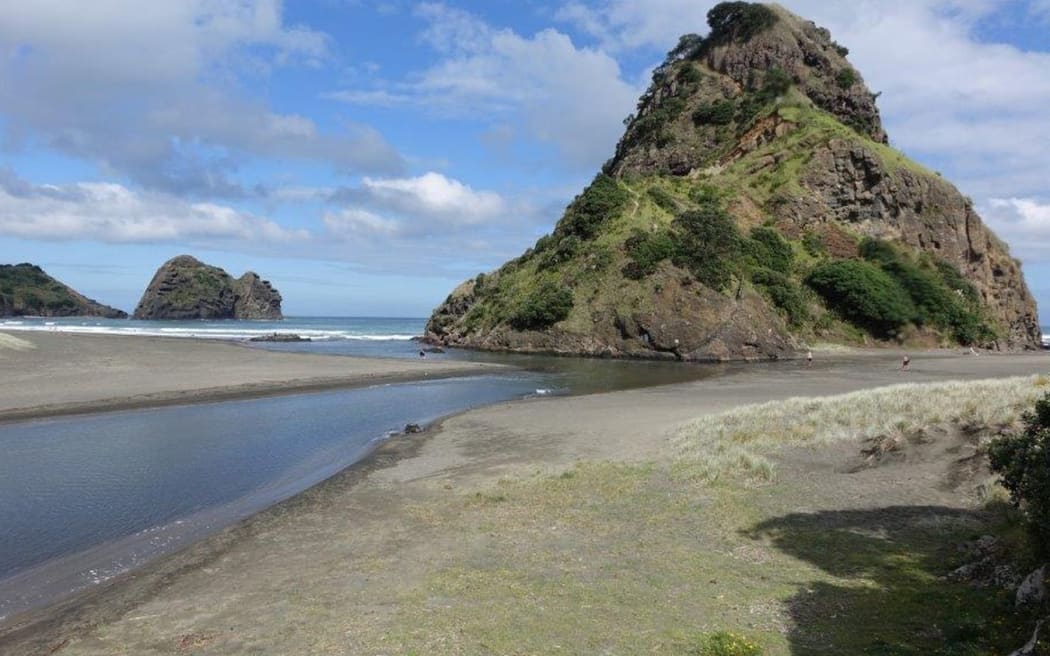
(84, 498)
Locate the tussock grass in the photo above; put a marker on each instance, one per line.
(736, 443)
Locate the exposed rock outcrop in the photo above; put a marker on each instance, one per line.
(755, 171)
(186, 288)
(25, 290)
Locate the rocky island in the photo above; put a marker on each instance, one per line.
(186, 288)
(752, 205)
(26, 290)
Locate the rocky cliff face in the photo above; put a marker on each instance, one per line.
(186, 288)
(25, 290)
(752, 205)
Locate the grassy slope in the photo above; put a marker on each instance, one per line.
(594, 270)
(616, 558)
(27, 289)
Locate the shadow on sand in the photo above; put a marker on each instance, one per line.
(885, 590)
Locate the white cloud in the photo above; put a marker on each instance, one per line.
(570, 97)
(1024, 223)
(113, 213)
(158, 94)
(356, 222)
(410, 207)
(432, 195)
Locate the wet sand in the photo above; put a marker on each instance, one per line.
(329, 570)
(54, 373)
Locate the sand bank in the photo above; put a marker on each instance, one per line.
(47, 374)
(398, 553)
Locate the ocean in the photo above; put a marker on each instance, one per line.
(367, 336)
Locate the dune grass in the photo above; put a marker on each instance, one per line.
(739, 442)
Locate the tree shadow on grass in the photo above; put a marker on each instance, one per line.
(885, 591)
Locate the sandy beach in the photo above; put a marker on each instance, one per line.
(54, 373)
(418, 548)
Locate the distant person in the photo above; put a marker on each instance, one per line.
(422, 353)
(809, 358)
(905, 362)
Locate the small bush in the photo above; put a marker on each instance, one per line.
(1023, 461)
(784, 293)
(601, 200)
(864, 295)
(738, 21)
(776, 83)
(724, 643)
(563, 250)
(768, 249)
(689, 74)
(955, 281)
(543, 243)
(716, 113)
(646, 251)
(709, 244)
(813, 244)
(543, 307)
(687, 48)
(663, 199)
(846, 78)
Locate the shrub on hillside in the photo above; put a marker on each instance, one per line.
(776, 83)
(646, 251)
(813, 244)
(561, 250)
(864, 295)
(709, 244)
(941, 296)
(663, 199)
(767, 248)
(1023, 461)
(739, 21)
(544, 306)
(846, 78)
(601, 200)
(784, 293)
(716, 113)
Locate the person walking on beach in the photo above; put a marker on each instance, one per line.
(422, 353)
(809, 358)
(905, 362)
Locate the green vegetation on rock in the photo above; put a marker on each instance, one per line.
(544, 306)
(744, 200)
(26, 290)
(709, 245)
(599, 202)
(863, 294)
(739, 21)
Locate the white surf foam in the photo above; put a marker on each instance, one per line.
(199, 333)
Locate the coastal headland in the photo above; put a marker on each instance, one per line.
(582, 524)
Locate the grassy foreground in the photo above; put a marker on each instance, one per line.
(717, 549)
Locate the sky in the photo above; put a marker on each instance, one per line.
(366, 157)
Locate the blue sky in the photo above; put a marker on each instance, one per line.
(368, 156)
